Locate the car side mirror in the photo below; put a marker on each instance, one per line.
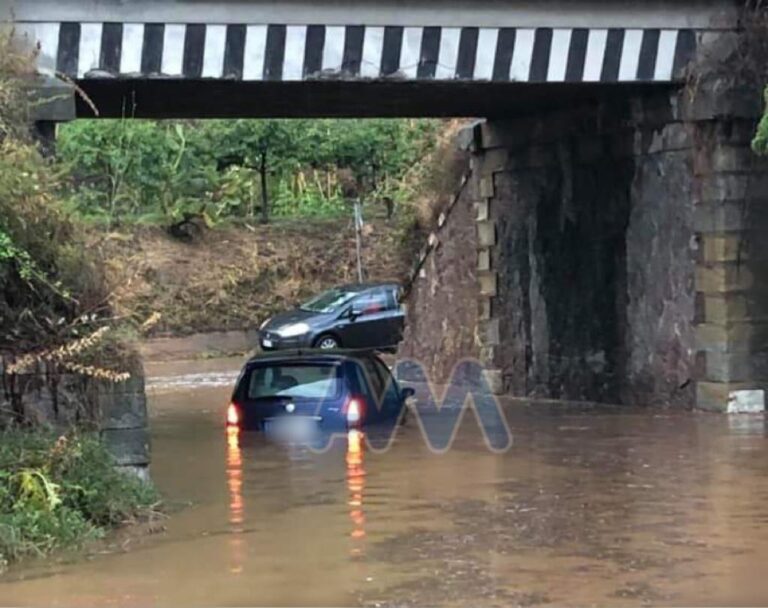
(408, 393)
(355, 312)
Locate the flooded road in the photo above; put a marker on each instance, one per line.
(598, 507)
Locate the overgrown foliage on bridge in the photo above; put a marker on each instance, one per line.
(45, 279)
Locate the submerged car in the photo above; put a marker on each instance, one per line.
(307, 391)
(350, 316)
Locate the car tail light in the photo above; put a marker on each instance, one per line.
(233, 415)
(354, 410)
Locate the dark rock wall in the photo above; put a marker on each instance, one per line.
(561, 260)
(593, 254)
(661, 256)
(442, 314)
(568, 266)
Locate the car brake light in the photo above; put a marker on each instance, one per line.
(354, 410)
(233, 415)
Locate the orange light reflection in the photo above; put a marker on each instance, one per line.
(236, 503)
(356, 487)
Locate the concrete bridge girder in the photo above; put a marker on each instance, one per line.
(692, 14)
(121, 47)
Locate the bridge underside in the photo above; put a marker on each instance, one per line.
(230, 99)
(619, 249)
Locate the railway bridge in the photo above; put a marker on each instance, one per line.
(617, 214)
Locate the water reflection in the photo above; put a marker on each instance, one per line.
(236, 503)
(355, 487)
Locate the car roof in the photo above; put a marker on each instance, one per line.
(359, 287)
(313, 355)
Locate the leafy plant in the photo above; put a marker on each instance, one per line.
(52, 286)
(162, 172)
(61, 491)
(760, 142)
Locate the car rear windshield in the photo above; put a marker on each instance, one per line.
(329, 301)
(302, 381)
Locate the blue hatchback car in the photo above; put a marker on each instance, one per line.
(297, 393)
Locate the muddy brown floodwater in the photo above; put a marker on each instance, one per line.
(598, 507)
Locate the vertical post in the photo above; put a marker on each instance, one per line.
(264, 194)
(358, 240)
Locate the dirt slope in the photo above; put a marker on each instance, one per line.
(234, 277)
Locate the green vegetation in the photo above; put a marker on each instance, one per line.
(53, 288)
(55, 311)
(760, 142)
(58, 492)
(164, 172)
(46, 281)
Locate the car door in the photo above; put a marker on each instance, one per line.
(393, 331)
(368, 329)
(376, 387)
(391, 401)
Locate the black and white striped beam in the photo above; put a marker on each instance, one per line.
(305, 52)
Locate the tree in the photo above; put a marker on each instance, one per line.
(257, 144)
(163, 171)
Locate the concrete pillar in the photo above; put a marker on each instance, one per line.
(124, 423)
(731, 224)
(51, 102)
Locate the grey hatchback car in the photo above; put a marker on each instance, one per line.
(350, 316)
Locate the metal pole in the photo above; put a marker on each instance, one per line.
(358, 240)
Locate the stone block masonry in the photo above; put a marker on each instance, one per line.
(443, 319)
(123, 421)
(730, 199)
(45, 395)
(621, 251)
(585, 270)
(731, 211)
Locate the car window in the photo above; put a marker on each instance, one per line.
(328, 301)
(294, 380)
(389, 381)
(375, 380)
(372, 302)
(392, 297)
(361, 376)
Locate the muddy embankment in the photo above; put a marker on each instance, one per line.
(213, 293)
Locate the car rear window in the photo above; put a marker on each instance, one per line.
(308, 381)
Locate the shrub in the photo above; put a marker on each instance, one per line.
(60, 492)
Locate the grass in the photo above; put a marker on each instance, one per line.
(59, 492)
